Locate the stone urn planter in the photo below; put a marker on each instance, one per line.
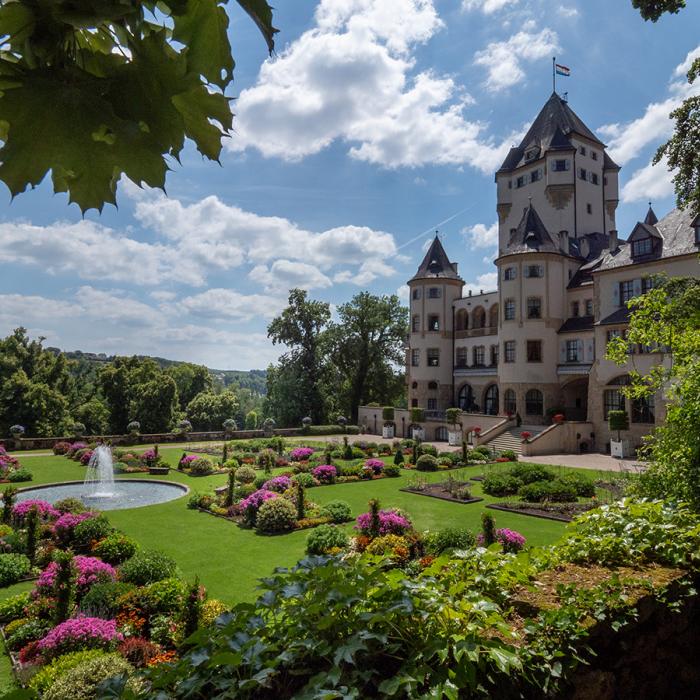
(454, 432)
(388, 417)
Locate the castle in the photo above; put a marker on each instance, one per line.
(536, 345)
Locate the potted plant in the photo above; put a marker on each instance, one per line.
(229, 426)
(269, 427)
(184, 427)
(525, 435)
(343, 422)
(558, 418)
(77, 430)
(388, 417)
(454, 433)
(134, 428)
(17, 431)
(417, 417)
(617, 421)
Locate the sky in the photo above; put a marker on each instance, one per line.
(375, 123)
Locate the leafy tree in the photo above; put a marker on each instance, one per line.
(669, 316)
(283, 399)
(251, 420)
(366, 347)
(114, 87)
(94, 415)
(653, 9)
(191, 380)
(298, 327)
(208, 410)
(154, 404)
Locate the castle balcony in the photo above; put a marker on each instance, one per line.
(479, 371)
(476, 332)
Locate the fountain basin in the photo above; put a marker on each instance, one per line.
(127, 493)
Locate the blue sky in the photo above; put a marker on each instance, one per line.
(376, 121)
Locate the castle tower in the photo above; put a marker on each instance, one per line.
(433, 289)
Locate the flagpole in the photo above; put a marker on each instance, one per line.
(554, 74)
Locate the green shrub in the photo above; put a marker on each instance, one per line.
(201, 467)
(482, 453)
(276, 515)
(427, 463)
(338, 511)
(245, 475)
(115, 548)
(555, 491)
(13, 608)
(31, 631)
(510, 455)
(304, 479)
(449, 538)
(259, 481)
(166, 596)
(89, 531)
(349, 470)
(49, 674)
(391, 470)
(13, 567)
(529, 473)
(231, 464)
(70, 505)
(325, 538)
(429, 449)
(18, 475)
(102, 600)
(331, 429)
(584, 487)
(398, 457)
(500, 484)
(81, 682)
(147, 566)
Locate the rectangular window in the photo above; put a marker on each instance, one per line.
(415, 358)
(414, 403)
(433, 322)
(534, 351)
(415, 324)
(520, 182)
(535, 175)
(510, 273)
(642, 247)
(626, 291)
(613, 400)
(648, 283)
(494, 355)
(432, 404)
(589, 307)
(416, 293)
(560, 165)
(575, 308)
(594, 155)
(572, 351)
(434, 293)
(534, 271)
(582, 174)
(534, 307)
(615, 333)
(479, 354)
(509, 310)
(643, 410)
(433, 357)
(509, 351)
(461, 357)
(589, 209)
(594, 178)
(582, 150)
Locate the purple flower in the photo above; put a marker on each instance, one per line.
(325, 473)
(391, 522)
(279, 484)
(89, 570)
(376, 465)
(46, 510)
(64, 526)
(148, 455)
(300, 454)
(80, 633)
(256, 499)
(510, 540)
(185, 461)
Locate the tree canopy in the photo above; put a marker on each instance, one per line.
(114, 87)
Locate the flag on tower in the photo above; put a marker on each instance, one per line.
(562, 70)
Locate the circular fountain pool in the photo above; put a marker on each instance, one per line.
(126, 493)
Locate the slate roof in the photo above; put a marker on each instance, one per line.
(616, 318)
(609, 163)
(651, 219)
(676, 230)
(531, 235)
(551, 129)
(576, 324)
(436, 264)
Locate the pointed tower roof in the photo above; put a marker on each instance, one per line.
(651, 219)
(552, 129)
(436, 264)
(531, 235)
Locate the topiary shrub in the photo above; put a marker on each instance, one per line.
(146, 567)
(245, 475)
(449, 538)
(81, 682)
(325, 539)
(304, 479)
(201, 467)
(13, 567)
(338, 511)
(276, 515)
(427, 463)
(115, 548)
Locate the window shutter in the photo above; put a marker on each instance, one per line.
(540, 271)
(562, 351)
(527, 271)
(580, 350)
(637, 287)
(590, 351)
(616, 294)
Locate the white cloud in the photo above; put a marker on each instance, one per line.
(350, 79)
(487, 282)
(18, 309)
(402, 293)
(503, 59)
(486, 6)
(650, 182)
(163, 296)
(482, 236)
(683, 68)
(284, 275)
(568, 12)
(227, 303)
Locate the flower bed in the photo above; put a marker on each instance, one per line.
(563, 512)
(11, 471)
(452, 490)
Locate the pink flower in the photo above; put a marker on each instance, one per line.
(80, 633)
(325, 473)
(46, 510)
(64, 526)
(89, 571)
(256, 499)
(376, 465)
(301, 454)
(511, 540)
(279, 484)
(391, 522)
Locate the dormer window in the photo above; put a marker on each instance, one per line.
(643, 246)
(531, 154)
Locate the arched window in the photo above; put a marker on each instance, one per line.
(534, 403)
(465, 398)
(509, 403)
(491, 400)
(478, 318)
(433, 386)
(461, 320)
(493, 316)
(441, 434)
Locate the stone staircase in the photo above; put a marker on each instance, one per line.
(510, 439)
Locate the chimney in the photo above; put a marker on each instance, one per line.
(613, 241)
(563, 240)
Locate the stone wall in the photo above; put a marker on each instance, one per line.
(562, 438)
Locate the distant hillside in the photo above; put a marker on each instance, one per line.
(254, 379)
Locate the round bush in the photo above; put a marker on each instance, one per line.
(555, 491)
(529, 473)
(13, 567)
(50, 673)
(481, 453)
(70, 505)
(166, 596)
(201, 467)
(80, 682)
(500, 485)
(115, 548)
(391, 470)
(338, 511)
(20, 475)
(146, 567)
(326, 538)
(89, 531)
(584, 487)
(245, 475)
(427, 463)
(449, 538)
(429, 450)
(276, 515)
(306, 480)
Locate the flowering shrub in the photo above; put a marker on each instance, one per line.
(76, 447)
(86, 457)
(149, 456)
(66, 523)
(89, 571)
(279, 484)
(300, 454)
(80, 633)
(45, 509)
(249, 506)
(184, 426)
(187, 460)
(391, 522)
(376, 465)
(525, 435)
(8, 461)
(61, 448)
(325, 473)
(510, 540)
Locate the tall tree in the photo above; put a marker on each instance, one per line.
(366, 349)
(209, 410)
(154, 404)
(298, 327)
(191, 380)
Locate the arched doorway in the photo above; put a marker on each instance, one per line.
(465, 398)
(462, 320)
(575, 395)
(441, 434)
(491, 400)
